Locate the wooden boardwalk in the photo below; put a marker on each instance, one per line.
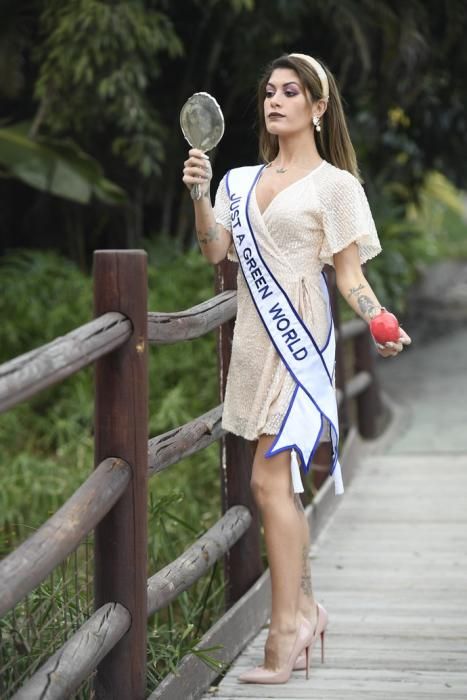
(391, 564)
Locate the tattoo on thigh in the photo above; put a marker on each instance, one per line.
(306, 573)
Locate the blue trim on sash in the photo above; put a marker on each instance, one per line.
(294, 446)
(297, 316)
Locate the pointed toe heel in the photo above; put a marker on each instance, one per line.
(302, 644)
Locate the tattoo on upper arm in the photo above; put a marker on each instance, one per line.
(212, 234)
(355, 290)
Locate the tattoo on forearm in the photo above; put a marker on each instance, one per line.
(367, 306)
(306, 574)
(212, 234)
(355, 290)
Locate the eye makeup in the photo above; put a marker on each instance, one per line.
(290, 89)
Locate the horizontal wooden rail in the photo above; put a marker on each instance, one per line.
(38, 369)
(358, 384)
(351, 329)
(164, 328)
(64, 672)
(31, 562)
(180, 574)
(355, 386)
(169, 448)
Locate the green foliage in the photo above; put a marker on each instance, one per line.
(51, 297)
(47, 445)
(96, 62)
(414, 235)
(43, 296)
(58, 167)
(441, 213)
(45, 619)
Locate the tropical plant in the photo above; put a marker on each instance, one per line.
(57, 167)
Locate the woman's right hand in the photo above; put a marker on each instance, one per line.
(197, 171)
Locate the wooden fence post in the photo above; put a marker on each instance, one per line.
(340, 363)
(121, 430)
(242, 564)
(368, 401)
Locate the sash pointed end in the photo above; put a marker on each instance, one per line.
(338, 483)
(295, 470)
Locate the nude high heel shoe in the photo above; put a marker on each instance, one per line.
(320, 629)
(301, 644)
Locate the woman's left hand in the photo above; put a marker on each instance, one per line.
(393, 349)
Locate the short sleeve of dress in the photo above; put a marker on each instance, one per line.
(222, 214)
(347, 219)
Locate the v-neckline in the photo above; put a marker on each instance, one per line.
(287, 187)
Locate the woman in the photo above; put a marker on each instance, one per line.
(283, 221)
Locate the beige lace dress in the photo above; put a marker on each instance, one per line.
(300, 230)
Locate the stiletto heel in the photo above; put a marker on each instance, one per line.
(307, 656)
(320, 628)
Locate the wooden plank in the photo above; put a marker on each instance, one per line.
(121, 428)
(392, 570)
(342, 694)
(180, 574)
(230, 633)
(166, 328)
(243, 620)
(31, 562)
(400, 685)
(64, 672)
(38, 369)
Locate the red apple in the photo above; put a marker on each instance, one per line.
(385, 328)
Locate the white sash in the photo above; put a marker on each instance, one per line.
(312, 368)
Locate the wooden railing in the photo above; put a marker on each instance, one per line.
(113, 500)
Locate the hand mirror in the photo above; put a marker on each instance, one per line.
(202, 124)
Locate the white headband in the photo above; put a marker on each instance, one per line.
(318, 68)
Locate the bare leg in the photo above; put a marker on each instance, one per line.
(283, 523)
(306, 602)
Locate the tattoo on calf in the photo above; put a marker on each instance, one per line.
(212, 234)
(305, 584)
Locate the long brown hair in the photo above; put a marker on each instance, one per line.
(333, 141)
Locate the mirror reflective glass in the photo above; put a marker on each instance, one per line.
(202, 121)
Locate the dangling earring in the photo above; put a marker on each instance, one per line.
(316, 123)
